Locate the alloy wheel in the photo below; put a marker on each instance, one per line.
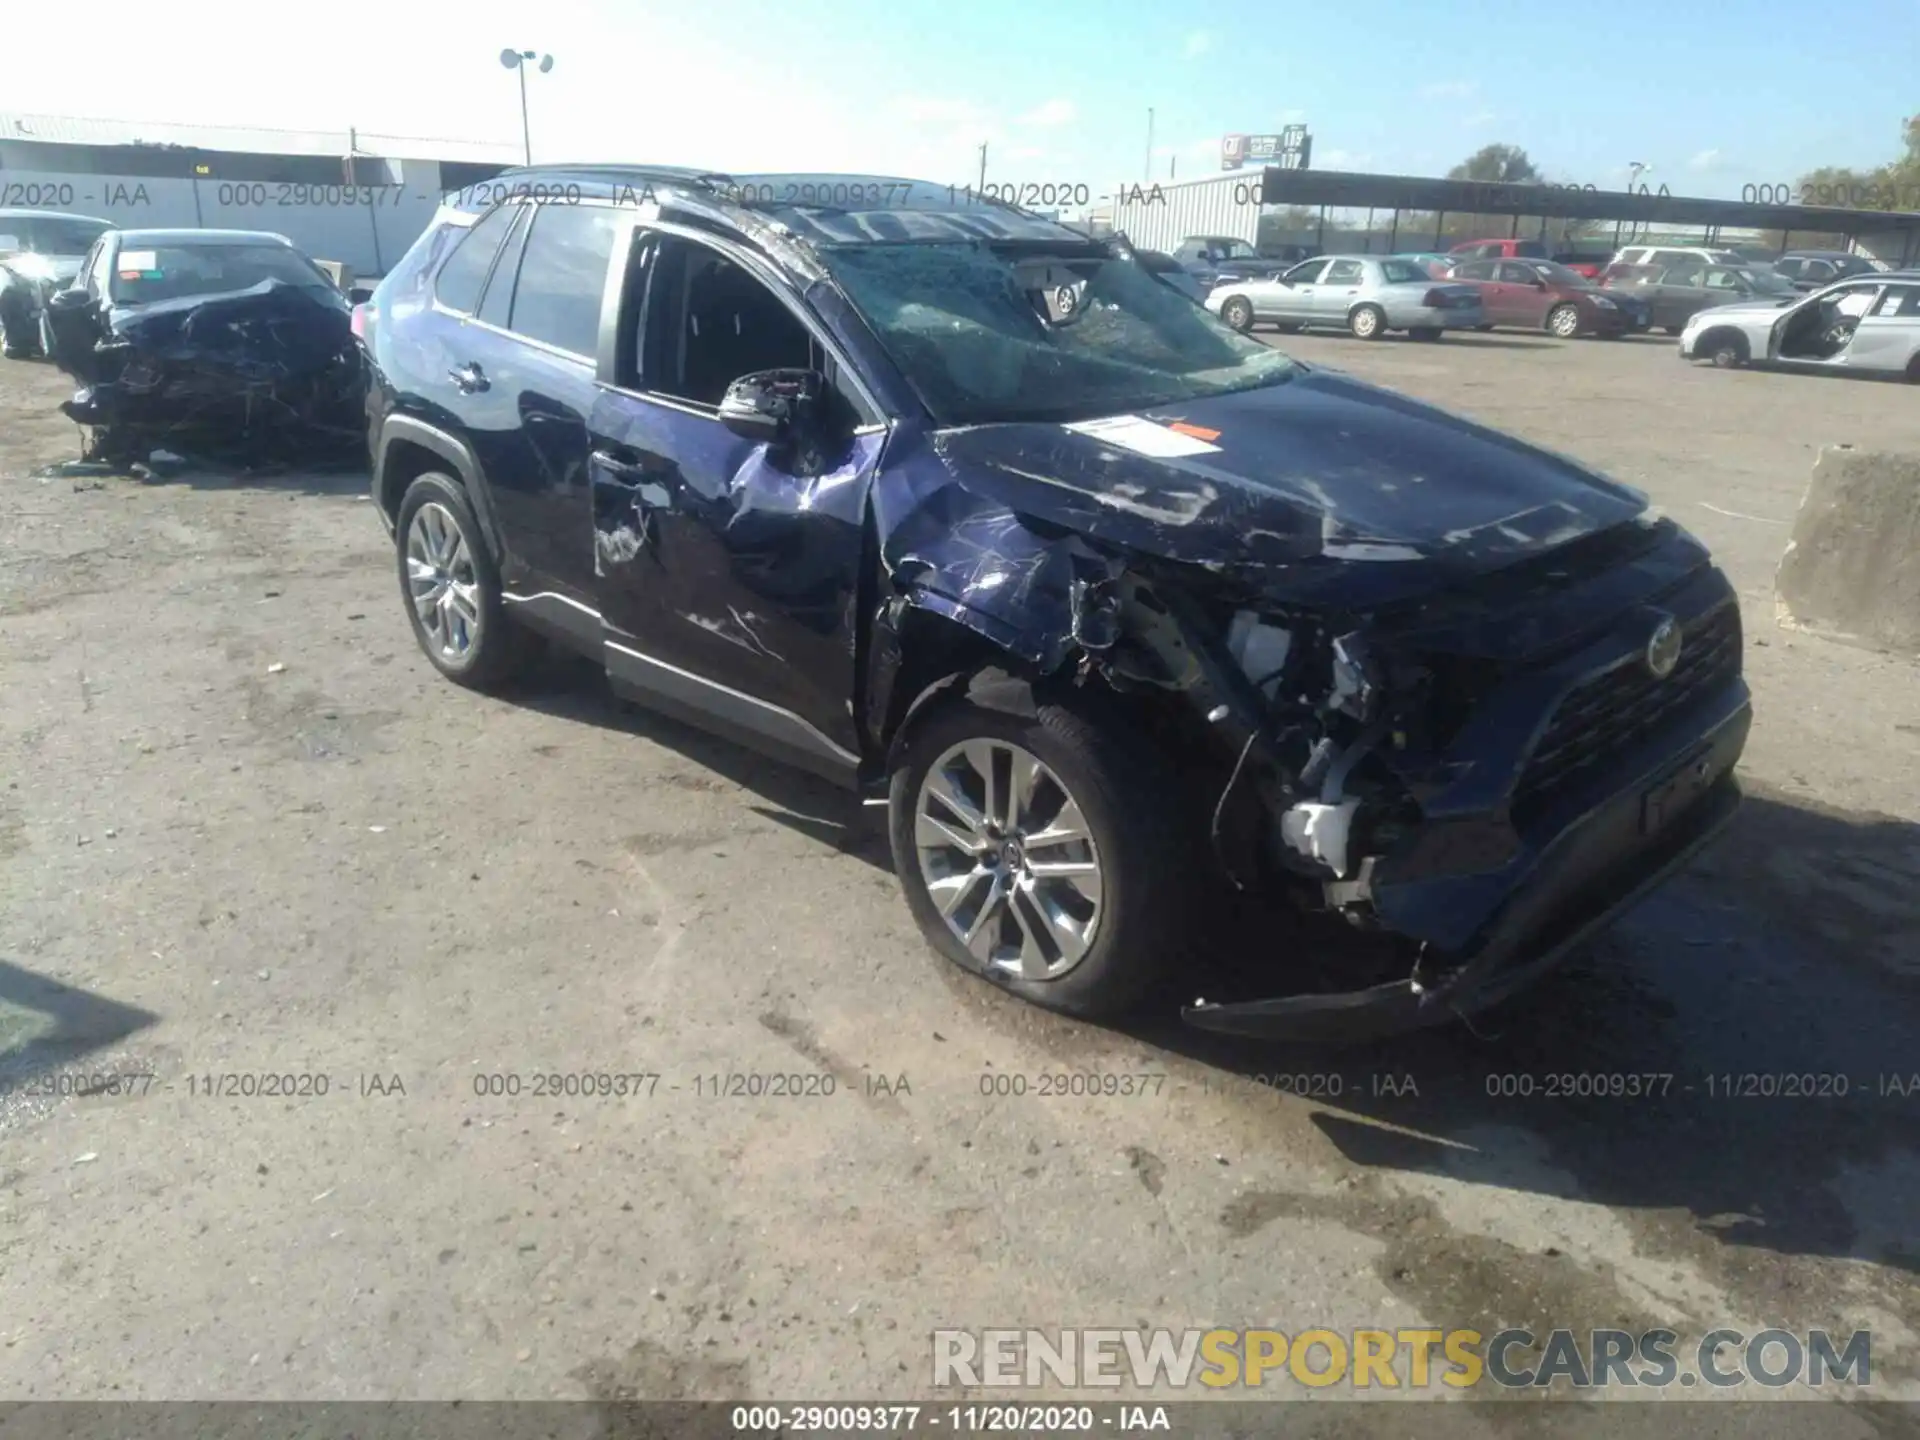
(442, 583)
(1566, 322)
(1008, 859)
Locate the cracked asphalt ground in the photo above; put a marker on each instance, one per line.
(245, 830)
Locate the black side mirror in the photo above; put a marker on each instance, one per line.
(773, 406)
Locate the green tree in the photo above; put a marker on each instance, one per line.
(1893, 186)
(1497, 164)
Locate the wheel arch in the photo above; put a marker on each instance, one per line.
(1710, 339)
(939, 650)
(408, 449)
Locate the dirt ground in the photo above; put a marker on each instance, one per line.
(245, 830)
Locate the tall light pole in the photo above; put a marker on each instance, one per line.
(517, 60)
(1635, 169)
(1149, 143)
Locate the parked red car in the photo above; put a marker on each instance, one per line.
(1540, 295)
(1511, 248)
(1590, 263)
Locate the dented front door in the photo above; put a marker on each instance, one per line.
(726, 569)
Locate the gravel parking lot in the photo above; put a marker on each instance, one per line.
(245, 830)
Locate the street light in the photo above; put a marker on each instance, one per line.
(517, 60)
(1635, 169)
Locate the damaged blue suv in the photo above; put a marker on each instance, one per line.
(1113, 607)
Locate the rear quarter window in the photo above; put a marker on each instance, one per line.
(464, 272)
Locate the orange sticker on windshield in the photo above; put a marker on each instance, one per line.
(1198, 432)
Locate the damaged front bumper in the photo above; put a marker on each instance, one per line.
(1574, 791)
(1561, 896)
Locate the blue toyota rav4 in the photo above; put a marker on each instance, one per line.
(1113, 607)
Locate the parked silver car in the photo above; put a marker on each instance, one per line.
(1366, 294)
(1869, 324)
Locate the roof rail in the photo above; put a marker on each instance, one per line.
(655, 174)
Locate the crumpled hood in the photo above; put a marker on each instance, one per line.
(296, 326)
(1321, 473)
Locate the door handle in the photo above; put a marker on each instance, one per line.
(621, 469)
(468, 378)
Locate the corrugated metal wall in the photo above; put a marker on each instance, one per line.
(1159, 216)
(368, 227)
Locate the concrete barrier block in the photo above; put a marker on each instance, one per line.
(340, 273)
(1852, 570)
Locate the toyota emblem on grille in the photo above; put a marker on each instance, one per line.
(1663, 648)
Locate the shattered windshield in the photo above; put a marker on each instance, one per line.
(144, 274)
(990, 332)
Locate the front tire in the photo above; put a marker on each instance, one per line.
(452, 589)
(1563, 322)
(1237, 311)
(1044, 853)
(1367, 322)
(1723, 349)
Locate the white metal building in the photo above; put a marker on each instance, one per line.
(1158, 215)
(339, 195)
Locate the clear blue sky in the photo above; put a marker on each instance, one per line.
(1713, 96)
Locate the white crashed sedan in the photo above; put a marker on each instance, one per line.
(1365, 294)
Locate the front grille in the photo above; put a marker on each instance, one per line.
(1610, 713)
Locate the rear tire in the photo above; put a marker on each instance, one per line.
(451, 587)
(1102, 782)
(1367, 322)
(1237, 311)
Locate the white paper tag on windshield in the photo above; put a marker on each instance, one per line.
(135, 262)
(1142, 436)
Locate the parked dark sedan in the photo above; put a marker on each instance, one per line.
(1172, 272)
(1109, 605)
(1213, 258)
(222, 339)
(1674, 295)
(1815, 269)
(1540, 295)
(40, 253)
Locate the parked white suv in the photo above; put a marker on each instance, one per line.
(1665, 255)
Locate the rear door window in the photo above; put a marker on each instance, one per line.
(1306, 274)
(464, 273)
(1901, 302)
(563, 272)
(1344, 272)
